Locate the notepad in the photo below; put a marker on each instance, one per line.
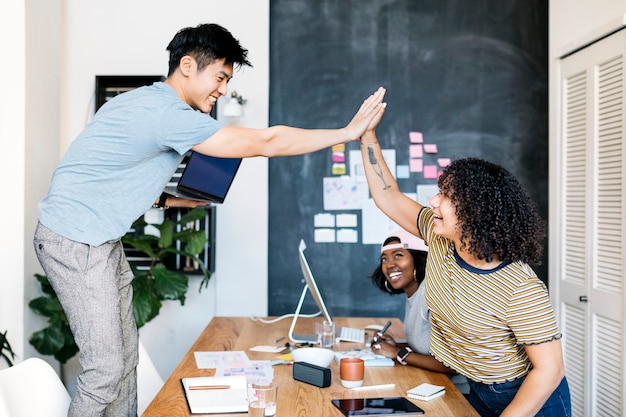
(211, 395)
(369, 358)
(426, 392)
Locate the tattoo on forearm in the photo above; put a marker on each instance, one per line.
(376, 166)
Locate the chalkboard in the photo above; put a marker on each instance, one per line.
(471, 76)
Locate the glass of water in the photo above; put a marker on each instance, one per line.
(262, 399)
(325, 334)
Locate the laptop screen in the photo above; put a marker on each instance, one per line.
(209, 176)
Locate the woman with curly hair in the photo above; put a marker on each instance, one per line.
(492, 320)
(401, 270)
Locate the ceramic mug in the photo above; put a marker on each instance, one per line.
(351, 372)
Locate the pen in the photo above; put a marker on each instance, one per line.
(279, 339)
(206, 387)
(382, 332)
(384, 386)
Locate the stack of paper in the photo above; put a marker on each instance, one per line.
(369, 358)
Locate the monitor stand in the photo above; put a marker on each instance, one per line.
(301, 338)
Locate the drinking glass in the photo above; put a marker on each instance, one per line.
(262, 400)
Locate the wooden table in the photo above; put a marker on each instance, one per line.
(298, 399)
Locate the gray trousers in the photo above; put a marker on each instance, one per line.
(94, 286)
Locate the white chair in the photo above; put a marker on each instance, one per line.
(149, 382)
(32, 388)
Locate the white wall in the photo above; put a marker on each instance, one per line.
(12, 145)
(572, 25)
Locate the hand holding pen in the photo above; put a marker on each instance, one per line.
(379, 335)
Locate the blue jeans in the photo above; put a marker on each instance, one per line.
(491, 399)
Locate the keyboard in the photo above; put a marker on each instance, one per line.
(350, 334)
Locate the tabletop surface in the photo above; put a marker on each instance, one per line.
(295, 398)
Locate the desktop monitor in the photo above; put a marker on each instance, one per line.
(311, 286)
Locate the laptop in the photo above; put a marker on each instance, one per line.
(204, 178)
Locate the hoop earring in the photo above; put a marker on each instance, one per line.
(387, 287)
(415, 275)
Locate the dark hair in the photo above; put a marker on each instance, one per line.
(496, 215)
(419, 262)
(206, 43)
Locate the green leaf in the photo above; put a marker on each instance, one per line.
(169, 285)
(193, 215)
(5, 349)
(146, 304)
(139, 223)
(66, 353)
(46, 306)
(48, 341)
(45, 285)
(196, 243)
(167, 232)
(143, 243)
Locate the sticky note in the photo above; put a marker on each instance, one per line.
(415, 151)
(324, 235)
(339, 157)
(402, 172)
(416, 137)
(443, 162)
(347, 220)
(430, 148)
(430, 172)
(339, 147)
(415, 165)
(324, 220)
(347, 236)
(339, 169)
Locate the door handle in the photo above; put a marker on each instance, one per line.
(583, 299)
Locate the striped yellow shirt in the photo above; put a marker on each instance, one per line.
(481, 319)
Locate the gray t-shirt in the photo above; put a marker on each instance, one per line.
(117, 167)
(417, 322)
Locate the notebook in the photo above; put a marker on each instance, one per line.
(204, 178)
(426, 391)
(208, 395)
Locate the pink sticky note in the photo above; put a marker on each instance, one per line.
(430, 172)
(415, 165)
(443, 162)
(416, 137)
(339, 157)
(415, 151)
(430, 148)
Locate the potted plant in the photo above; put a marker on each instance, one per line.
(6, 352)
(153, 282)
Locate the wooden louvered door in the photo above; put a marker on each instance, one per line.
(591, 224)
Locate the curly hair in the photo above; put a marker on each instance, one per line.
(497, 217)
(419, 262)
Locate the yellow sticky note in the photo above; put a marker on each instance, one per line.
(339, 169)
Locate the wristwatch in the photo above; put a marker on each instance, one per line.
(404, 352)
